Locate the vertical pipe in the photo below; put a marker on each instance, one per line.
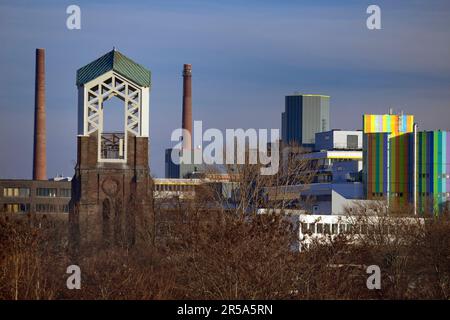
(39, 146)
(187, 106)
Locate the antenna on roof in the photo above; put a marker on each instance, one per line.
(114, 48)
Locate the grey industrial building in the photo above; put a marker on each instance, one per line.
(303, 117)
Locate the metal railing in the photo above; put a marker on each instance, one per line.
(113, 145)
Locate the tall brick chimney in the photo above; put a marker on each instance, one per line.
(39, 147)
(187, 105)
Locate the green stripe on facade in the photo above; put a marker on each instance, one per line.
(382, 164)
(392, 164)
(444, 160)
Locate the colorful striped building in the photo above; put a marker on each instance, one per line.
(392, 167)
(387, 145)
(392, 124)
(433, 171)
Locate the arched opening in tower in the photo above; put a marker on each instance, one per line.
(113, 134)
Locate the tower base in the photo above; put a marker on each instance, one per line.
(111, 201)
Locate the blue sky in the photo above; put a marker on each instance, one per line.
(246, 56)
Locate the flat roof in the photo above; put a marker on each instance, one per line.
(307, 95)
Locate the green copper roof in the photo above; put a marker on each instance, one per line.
(117, 62)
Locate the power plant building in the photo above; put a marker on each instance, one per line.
(405, 166)
(386, 154)
(303, 117)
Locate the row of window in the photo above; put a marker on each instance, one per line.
(40, 192)
(323, 228)
(442, 176)
(442, 194)
(16, 207)
(40, 207)
(397, 194)
(333, 228)
(377, 194)
(423, 194)
(46, 207)
(174, 187)
(16, 192)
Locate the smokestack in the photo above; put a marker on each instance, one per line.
(39, 148)
(187, 105)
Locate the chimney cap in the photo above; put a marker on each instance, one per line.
(187, 69)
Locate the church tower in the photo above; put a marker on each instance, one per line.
(112, 189)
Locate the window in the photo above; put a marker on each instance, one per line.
(45, 207)
(16, 192)
(320, 228)
(64, 208)
(65, 193)
(334, 228)
(304, 227)
(46, 192)
(16, 207)
(350, 228)
(327, 228)
(342, 228)
(352, 141)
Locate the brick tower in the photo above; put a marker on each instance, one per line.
(112, 189)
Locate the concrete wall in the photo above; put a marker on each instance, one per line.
(316, 117)
(304, 116)
(337, 139)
